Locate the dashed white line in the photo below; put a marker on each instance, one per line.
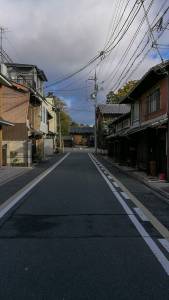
(144, 234)
(141, 215)
(165, 244)
(115, 184)
(125, 195)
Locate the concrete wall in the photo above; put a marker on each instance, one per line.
(48, 147)
(17, 153)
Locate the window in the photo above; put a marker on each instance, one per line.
(119, 126)
(153, 101)
(135, 113)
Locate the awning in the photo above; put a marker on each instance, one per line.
(118, 134)
(5, 123)
(35, 133)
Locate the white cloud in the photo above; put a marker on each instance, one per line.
(61, 36)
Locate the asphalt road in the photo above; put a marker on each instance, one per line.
(71, 239)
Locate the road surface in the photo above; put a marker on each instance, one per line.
(73, 238)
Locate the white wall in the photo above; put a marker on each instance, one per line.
(48, 147)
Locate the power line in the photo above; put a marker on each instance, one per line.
(123, 58)
(114, 27)
(100, 55)
(121, 77)
(118, 23)
(151, 31)
(128, 22)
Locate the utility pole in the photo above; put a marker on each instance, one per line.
(2, 32)
(94, 97)
(60, 126)
(1, 43)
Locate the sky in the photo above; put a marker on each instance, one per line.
(61, 36)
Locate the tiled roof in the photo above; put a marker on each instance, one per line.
(81, 130)
(113, 108)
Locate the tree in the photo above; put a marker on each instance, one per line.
(116, 97)
(66, 121)
(74, 124)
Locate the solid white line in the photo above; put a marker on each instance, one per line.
(141, 215)
(125, 195)
(144, 234)
(165, 244)
(13, 200)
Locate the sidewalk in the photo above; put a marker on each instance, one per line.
(12, 180)
(9, 173)
(162, 187)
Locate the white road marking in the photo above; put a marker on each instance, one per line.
(13, 200)
(125, 195)
(154, 221)
(115, 184)
(110, 177)
(165, 244)
(144, 234)
(141, 215)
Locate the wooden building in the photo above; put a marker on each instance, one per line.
(105, 114)
(146, 136)
(82, 136)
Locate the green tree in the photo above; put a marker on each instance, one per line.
(65, 118)
(66, 121)
(116, 97)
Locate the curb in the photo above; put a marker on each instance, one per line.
(155, 190)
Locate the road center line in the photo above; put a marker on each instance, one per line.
(13, 200)
(146, 237)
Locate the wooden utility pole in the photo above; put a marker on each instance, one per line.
(58, 108)
(94, 97)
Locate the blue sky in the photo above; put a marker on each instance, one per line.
(61, 36)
